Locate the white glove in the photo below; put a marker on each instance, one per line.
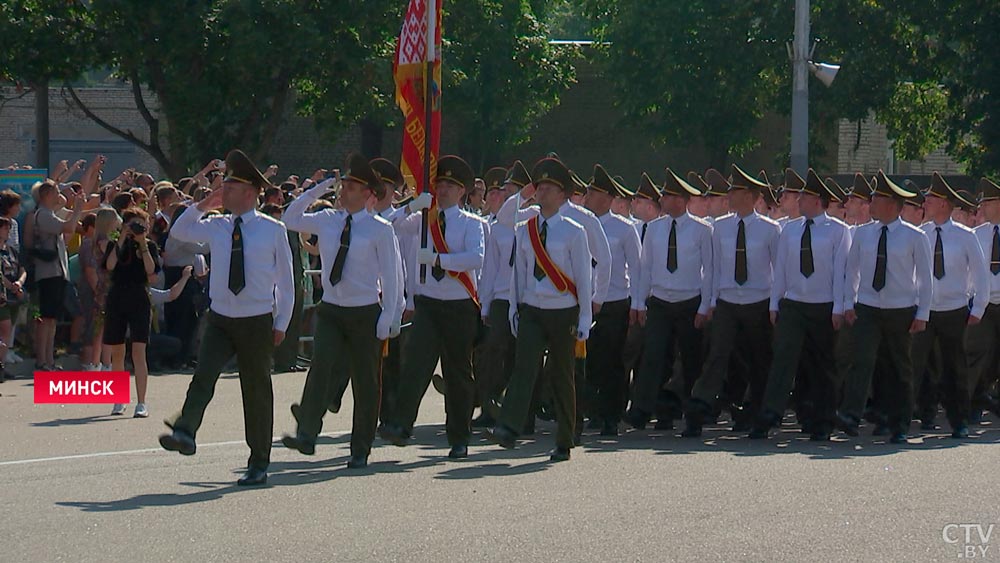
(513, 324)
(325, 185)
(394, 329)
(582, 332)
(426, 256)
(422, 201)
(384, 327)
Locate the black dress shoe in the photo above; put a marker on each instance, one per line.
(394, 435)
(637, 419)
(253, 477)
(819, 436)
(664, 424)
(609, 428)
(357, 462)
(759, 433)
(178, 441)
(299, 442)
(559, 454)
(848, 424)
(960, 432)
(692, 429)
(898, 438)
(502, 436)
(578, 439)
(484, 420)
(459, 452)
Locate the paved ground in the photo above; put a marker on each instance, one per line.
(78, 485)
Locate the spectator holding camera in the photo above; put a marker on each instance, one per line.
(132, 261)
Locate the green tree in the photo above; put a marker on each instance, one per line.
(500, 74)
(223, 72)
(41, 42)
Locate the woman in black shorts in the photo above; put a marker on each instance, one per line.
(12, 292)
(132, 261)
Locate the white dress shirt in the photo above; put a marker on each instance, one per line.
(985, 233)
(494, 281)
(831, 243)
(966, 274)
(390, 214)
(761, 236)
(693, 276)
(566, 244)
(267, 263)
(463, 232)
(908, 280)
(625, 249)
(511, 212)
(372, 261)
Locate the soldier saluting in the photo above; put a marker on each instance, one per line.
(252, 294)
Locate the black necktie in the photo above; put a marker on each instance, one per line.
(237, 279)
(672, 247)
(337, 271)
(995, 255)
(806, 265)
(539, 272)
(437, 271)
(741, 254)
(878, 280)
(938, 256)
(642, 235)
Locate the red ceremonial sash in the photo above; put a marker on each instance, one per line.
(441, 247)
(560, 280)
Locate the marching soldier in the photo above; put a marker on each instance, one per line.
(806, 309)
(981, 338)
(959, 269)
(493, 374)
(672, 297)
(551, 285)
(362, 291)
(888, 298)
(646, 205)
(744, 246)
(252, 296)
(605, 362)
(445, 308)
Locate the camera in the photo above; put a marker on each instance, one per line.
(137, 228)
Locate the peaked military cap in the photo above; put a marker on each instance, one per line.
(941, 189)
(968, 201)
(794, 182)
(494, 178)
(861, 189)
(647, 189)
(389, 172)
(698, 182)
(919, 198)
(579, 186)
(454, 169)
(836, 191)
(988, 189)
(718, 185)
(887, 188)
(603, 182)
(517, 175)
(740, 180)
(675, 185)
(552, 170)
(239, 168)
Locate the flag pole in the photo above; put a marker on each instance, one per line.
(428, 132)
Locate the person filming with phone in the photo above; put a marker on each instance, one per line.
(132, 260)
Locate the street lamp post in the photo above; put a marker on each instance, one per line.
(800, 89)
(801, 54)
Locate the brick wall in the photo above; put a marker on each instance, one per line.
(864, 147)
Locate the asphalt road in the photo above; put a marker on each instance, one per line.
(79, 485)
